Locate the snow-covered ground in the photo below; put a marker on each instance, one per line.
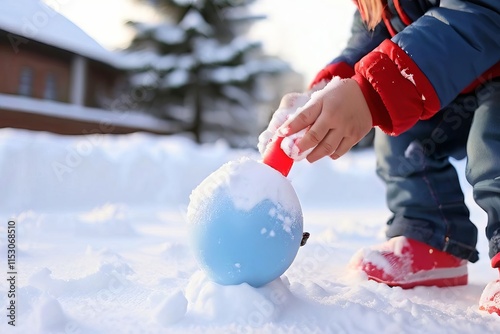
(102, 247)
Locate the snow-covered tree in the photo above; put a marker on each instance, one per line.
(201, 70)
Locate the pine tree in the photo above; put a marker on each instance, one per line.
(201, 70)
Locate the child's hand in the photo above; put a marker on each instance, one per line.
(288, 106)
(337, 116)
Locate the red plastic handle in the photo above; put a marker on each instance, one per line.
(276, 158)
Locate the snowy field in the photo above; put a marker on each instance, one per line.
(102, 248)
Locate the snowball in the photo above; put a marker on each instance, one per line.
(288, 108)
(289, 143)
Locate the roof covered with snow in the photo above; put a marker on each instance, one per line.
(37, 21)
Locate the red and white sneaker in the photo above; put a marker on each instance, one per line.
(408, 263)
(490, 298)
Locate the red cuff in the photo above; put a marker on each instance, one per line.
(380, 116)
(404, 90)
(341, 69)
(410, 72)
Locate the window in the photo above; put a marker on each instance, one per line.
(50, 90)
(26, 82)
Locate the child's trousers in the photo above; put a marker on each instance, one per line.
(423, 189)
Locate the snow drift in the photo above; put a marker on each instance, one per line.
(102, 247)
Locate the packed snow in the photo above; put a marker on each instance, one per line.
(102, 246)
(247, 182)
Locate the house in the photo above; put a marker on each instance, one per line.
(54, 77)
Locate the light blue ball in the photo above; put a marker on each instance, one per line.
(235, 244)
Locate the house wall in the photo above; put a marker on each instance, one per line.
(42, 65)
(44, 60)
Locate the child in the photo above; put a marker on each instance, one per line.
(427, 74)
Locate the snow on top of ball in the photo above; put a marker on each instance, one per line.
(247, 182)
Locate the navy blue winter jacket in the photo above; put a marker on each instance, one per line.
(420, 57)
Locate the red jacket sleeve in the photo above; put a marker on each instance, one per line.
(430, 62)
(341, 69)
(397, 92)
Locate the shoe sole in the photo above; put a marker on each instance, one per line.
(443, 277)
(441, 283)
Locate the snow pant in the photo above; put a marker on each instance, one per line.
(423, 189)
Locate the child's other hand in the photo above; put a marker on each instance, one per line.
(337, 116)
